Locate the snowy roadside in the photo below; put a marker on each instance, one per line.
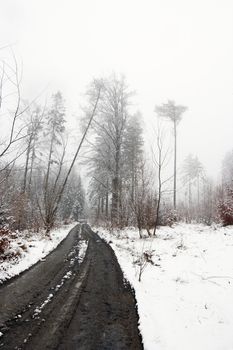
(29, 249)
(185, 294)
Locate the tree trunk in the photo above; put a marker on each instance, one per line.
(115, 200)
(46, 186)
(26, 166)
(31, 165)
(102, 205)
(106, 203)
(159, 193)
(175, 152)
(115, 188)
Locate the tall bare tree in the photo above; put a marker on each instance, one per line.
(172, 112)
(110, 125)
(160, 158)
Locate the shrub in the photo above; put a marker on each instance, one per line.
(225, 210)
(168, 217)
(4, 240)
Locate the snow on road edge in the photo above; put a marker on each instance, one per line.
(185, 297)
(35, 249)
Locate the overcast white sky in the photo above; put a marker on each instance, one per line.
(168, 49)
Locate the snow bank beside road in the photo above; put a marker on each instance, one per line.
(185, 296)
(30, 250)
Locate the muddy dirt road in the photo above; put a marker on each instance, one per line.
(62, 303)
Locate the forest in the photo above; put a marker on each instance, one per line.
(116, 175)
(129, 183)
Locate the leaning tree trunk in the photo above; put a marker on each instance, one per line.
(26, 166)
(159, 197)
(61, 190)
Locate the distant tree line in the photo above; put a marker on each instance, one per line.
(125, 189)
(127, 185)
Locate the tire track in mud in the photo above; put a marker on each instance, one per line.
(106, 316)
(71, 305)
(27, 300)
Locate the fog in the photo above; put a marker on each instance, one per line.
(180, 50)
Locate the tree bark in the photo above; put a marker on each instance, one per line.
(175, 153)
(115, 187)
(106, 202)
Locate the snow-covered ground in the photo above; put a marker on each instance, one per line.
(29, 249)
(184, 297)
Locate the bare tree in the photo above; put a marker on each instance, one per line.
(115, 155)
(160, 157)
(11, 104)
(172, 112)
(144, 201)
(110, 126)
